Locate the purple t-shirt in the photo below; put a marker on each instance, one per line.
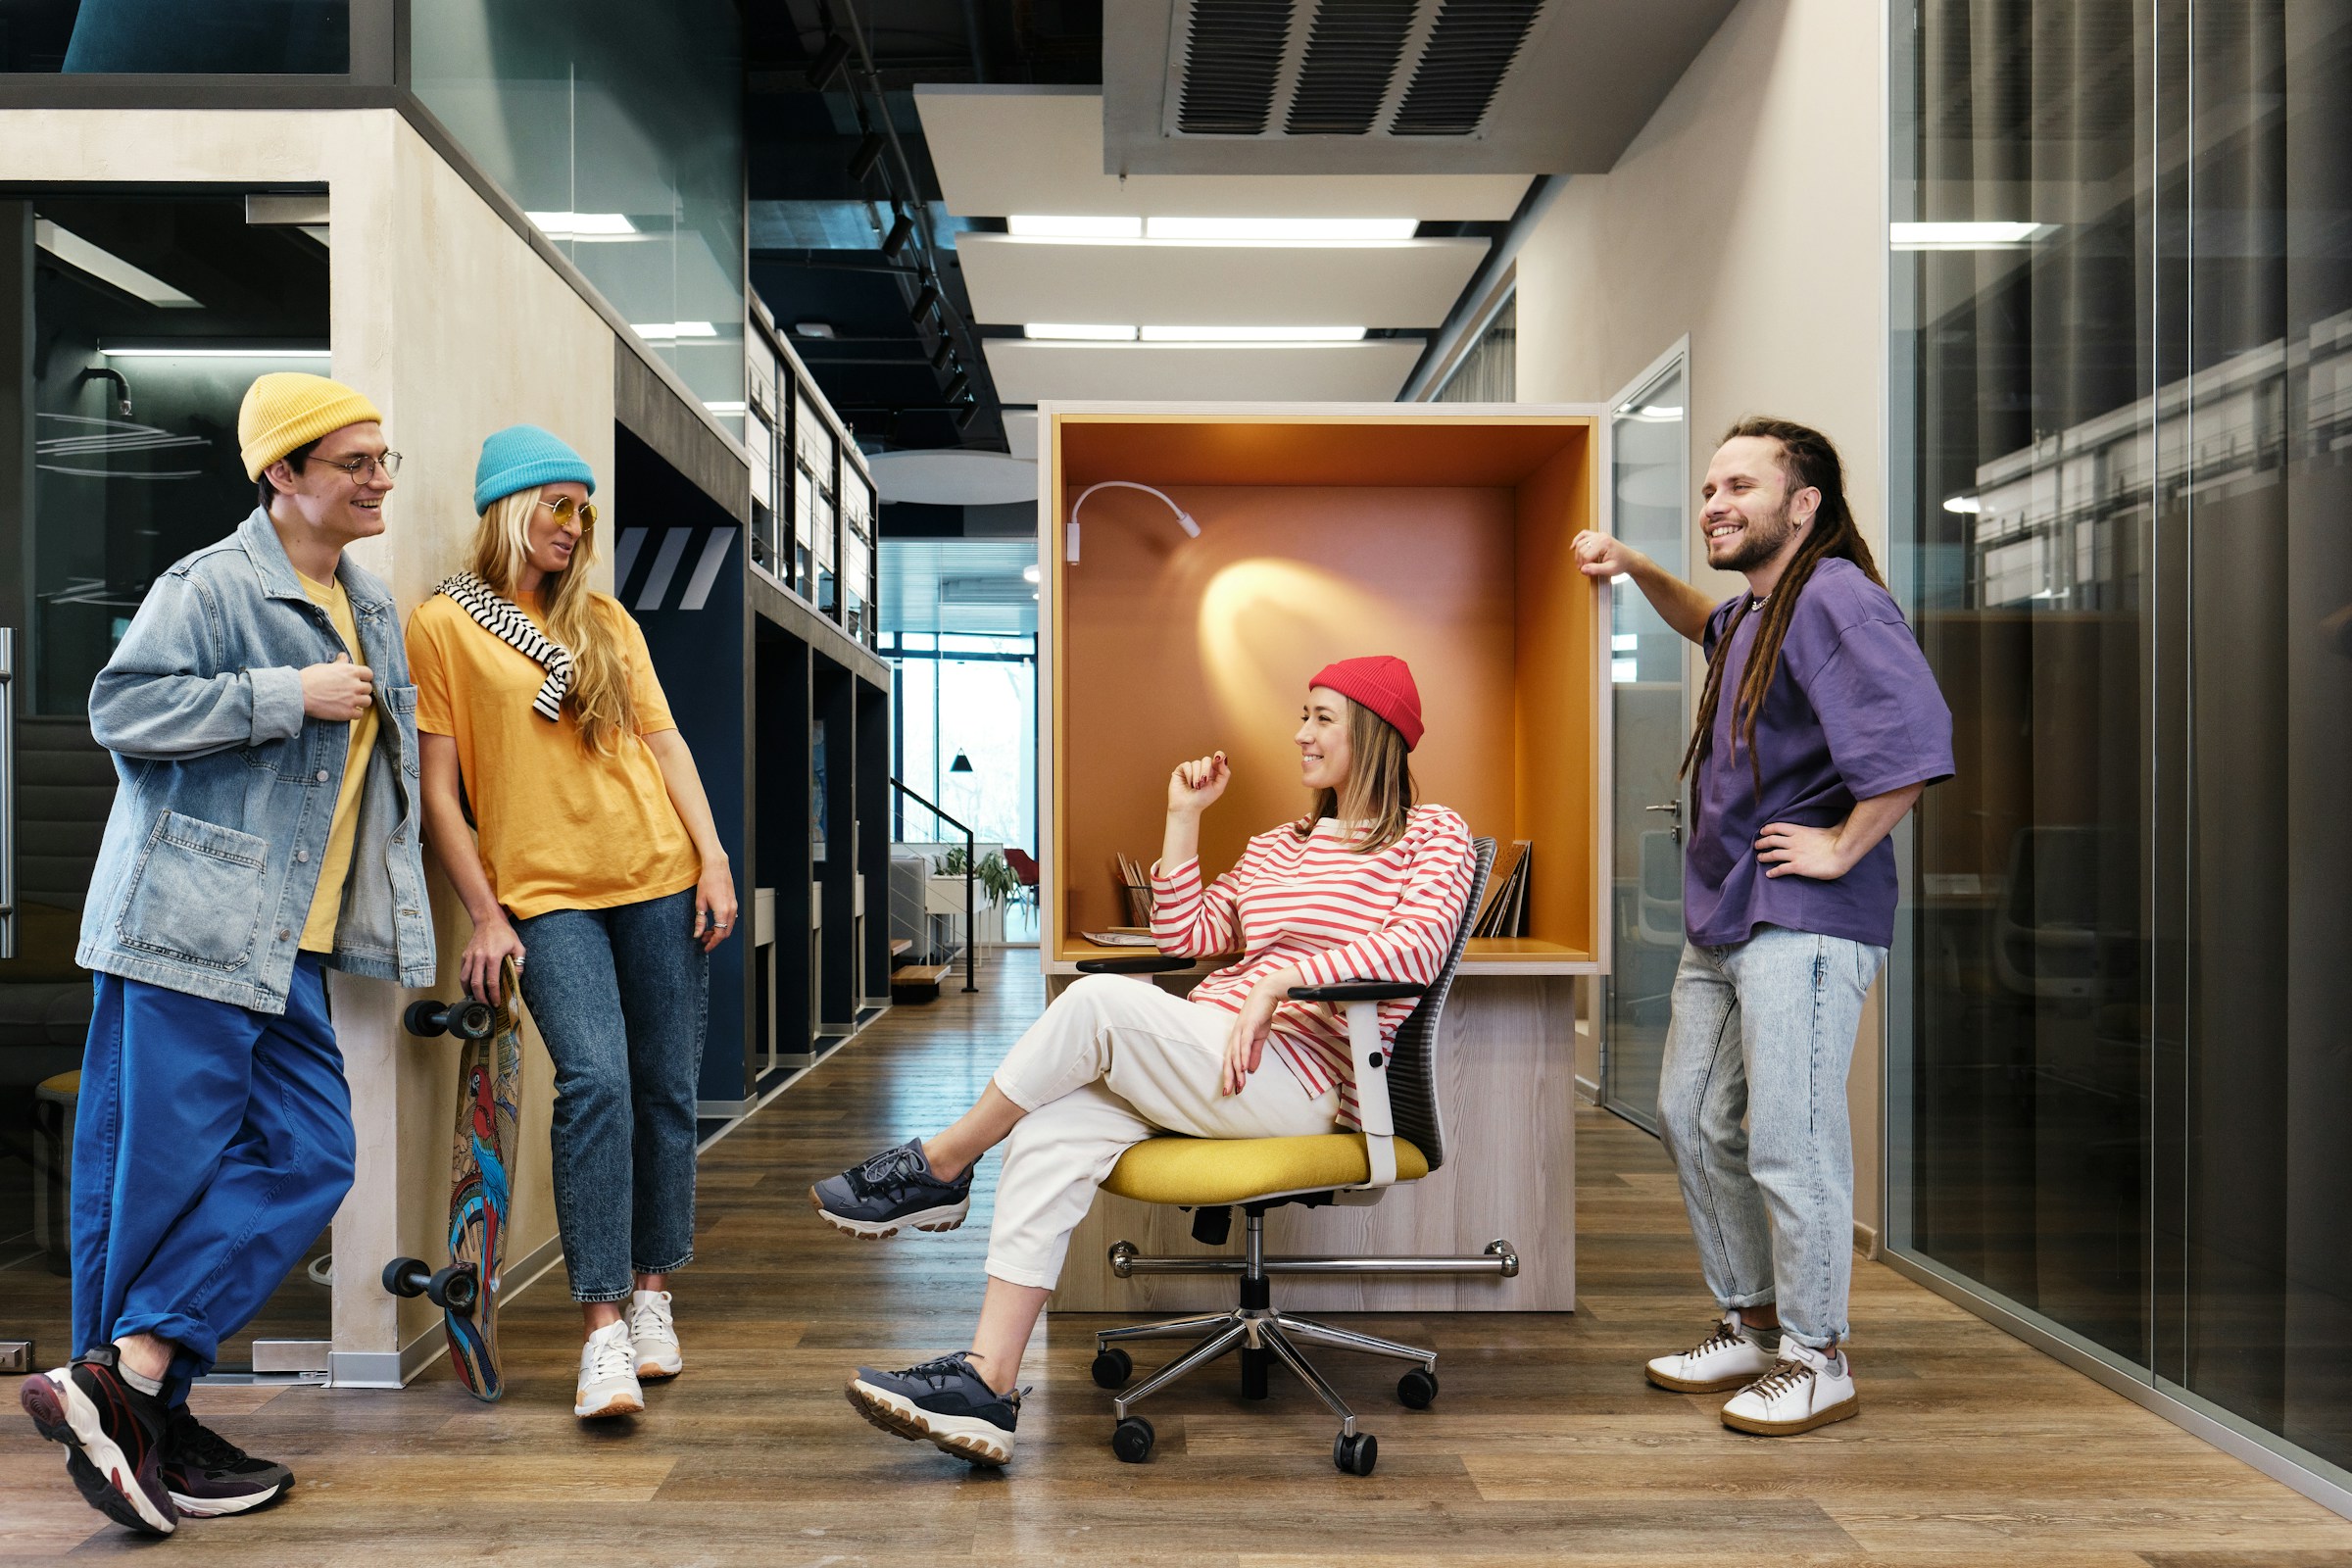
(1853, 713)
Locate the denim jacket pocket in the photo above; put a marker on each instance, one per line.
(196, 894)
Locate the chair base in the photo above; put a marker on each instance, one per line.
(1262, 1330)
(1263, 1336)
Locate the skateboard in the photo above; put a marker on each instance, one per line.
(480, 1178)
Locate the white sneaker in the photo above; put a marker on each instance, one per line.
(655, 1335)
(1807, 1390)
(1731, 1358)
(607, 1375)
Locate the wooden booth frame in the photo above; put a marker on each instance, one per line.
(1322, 509)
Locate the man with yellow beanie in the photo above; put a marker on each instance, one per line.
(265, 830)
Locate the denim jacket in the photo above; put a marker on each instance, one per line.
(213, 850)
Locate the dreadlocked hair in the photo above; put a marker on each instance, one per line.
(1808, 462)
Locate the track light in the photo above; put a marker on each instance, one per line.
(901, 230)
(942, 355)
(926, 299)
(828, 61)
(869, 154)
(956, 384)
(966, 415)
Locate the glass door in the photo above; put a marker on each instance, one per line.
(1650, 484)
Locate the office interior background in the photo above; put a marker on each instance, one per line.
(2069, 281)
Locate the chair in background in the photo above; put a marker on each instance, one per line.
(1026, 868)
(1403, 1140)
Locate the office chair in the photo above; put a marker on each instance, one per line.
(1403, 1140)
(1024, 870)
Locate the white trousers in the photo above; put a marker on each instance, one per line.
(1114, 1060)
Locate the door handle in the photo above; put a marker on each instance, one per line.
(1673, 808)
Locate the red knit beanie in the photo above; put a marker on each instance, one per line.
(1381, 683)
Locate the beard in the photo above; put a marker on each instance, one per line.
(1762, 539)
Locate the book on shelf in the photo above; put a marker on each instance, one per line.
(1505, 911)
(1120, 936)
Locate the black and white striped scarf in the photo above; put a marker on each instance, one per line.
(501, 618)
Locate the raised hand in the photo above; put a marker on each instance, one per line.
(1601, 554)
(1194, 786)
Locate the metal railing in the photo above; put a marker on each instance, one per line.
(970, 873)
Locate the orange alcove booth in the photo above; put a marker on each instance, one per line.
(1440, 535)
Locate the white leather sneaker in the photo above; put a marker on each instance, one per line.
(655, 1335)
(1731, 1358)
(1807, 1390)
(607, 1375)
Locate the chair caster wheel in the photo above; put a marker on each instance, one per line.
(1112, 1369)
(1356, 1453)
(1417, 1387)
(1131, 1440)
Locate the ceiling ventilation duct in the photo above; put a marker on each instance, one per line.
(1387, 86)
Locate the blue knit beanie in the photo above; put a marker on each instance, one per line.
(523, 457)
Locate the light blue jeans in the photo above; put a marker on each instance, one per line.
(1763, 1033)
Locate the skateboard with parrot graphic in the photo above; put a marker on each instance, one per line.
(480, 1181)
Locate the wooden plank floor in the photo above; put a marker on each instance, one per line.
(1546, 1446)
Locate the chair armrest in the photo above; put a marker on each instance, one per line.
(1358, 991)
(1158, 963)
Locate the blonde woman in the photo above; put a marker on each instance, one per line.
(590, 849)
(1367, 884)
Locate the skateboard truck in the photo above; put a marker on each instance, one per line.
(454, 1288)
(465, 1019)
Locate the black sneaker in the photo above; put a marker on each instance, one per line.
(891, 1191)
(113, 1435)
(209, 1476)
(944, 1403)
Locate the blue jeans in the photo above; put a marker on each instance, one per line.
(622, 997)
(211, 1145)
(1764, 1030)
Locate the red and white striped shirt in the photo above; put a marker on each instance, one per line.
(1335, 913)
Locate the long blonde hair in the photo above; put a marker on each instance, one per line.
(579, 617)
(1378, 792)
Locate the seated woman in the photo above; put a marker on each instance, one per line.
(1366, 885)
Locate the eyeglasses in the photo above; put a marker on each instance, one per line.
(364, 468)
(563, 506)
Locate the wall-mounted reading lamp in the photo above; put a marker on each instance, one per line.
(1184, 518)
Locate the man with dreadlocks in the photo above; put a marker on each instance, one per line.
(1819, 725)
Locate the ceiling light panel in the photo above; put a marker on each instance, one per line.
(584, 226)
(1078, 332)
(1075, 227)
(1252, 334)
(1283, 231)
(1968, 236)
(1407, 283)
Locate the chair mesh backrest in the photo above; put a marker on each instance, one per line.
(1413, 1059)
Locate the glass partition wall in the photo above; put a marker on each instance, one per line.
(2120, 465)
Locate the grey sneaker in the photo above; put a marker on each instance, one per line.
(943, 1403)
(890, 1192)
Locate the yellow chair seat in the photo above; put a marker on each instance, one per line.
(1196, 1171)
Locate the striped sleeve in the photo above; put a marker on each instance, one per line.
(1411, 944)
(1190, 921)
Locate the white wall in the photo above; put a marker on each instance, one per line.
(1748, 214)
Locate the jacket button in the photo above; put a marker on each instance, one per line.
(399, 838)
(322, 776)
(302, 855)
(283, 934)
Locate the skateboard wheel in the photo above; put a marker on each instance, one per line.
(425, 1018)
(454, 1288)
(472, 1020)
(406, 1276)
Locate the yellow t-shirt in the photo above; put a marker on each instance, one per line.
(559, 827)
(334, 866)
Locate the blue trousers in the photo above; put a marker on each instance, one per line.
(211, 1145)
(622, 997)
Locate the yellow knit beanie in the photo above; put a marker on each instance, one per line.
(287, 408)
